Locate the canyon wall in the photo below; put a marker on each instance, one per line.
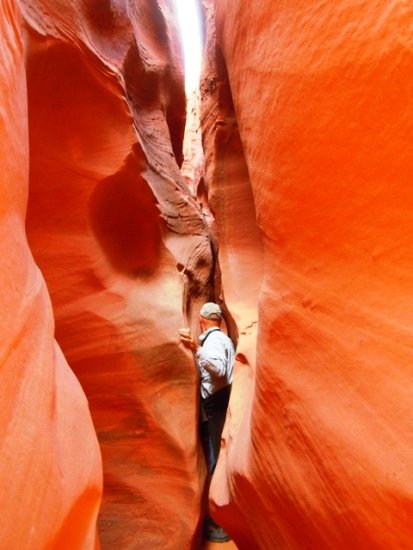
(50, 467)
(127, 259)
(124, 250)
(226, 191)
(320, 94)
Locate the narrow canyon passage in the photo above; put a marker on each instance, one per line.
(127, 260)
(295, 215)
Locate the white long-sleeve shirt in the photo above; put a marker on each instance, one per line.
(215, 361)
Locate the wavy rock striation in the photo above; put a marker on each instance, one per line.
(226, 191)
(121, 246)
(49, 462)
(321, 93)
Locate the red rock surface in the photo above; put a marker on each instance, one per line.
(50, 464)
(321, 92)
(207, 545)
(192, 168)
(125, 252)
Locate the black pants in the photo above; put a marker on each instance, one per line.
(215, 408)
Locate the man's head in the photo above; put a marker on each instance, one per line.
(210, 315)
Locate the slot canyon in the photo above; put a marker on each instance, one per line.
(294, 214)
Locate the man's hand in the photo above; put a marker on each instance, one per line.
(188, 340)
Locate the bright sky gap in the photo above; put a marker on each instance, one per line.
(190, 30)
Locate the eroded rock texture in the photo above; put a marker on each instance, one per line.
(192, 168)
(125, 252)
(226, 191)
(321, 92)
(49, 462)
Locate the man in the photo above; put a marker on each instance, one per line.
(215, 359)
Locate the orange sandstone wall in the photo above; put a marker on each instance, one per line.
(125, 252)
(227, 192)
(321, 93)
(50, 464)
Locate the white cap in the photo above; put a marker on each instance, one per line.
(211, 311)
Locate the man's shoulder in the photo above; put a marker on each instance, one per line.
(219, 335)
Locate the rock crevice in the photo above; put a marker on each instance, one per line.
(109, 219)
